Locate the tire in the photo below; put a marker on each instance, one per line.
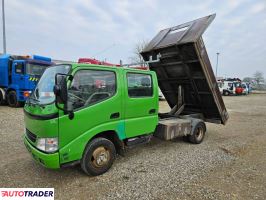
(98, 156)
(2, 101)
(12, 99)
(226, 93)
(198, 133)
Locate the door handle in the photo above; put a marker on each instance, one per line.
(152, 111)
(115, 115)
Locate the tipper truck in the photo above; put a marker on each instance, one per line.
(86, 113)
(19, 76)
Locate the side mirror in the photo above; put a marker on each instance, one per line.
(60, 89)
(61, 93)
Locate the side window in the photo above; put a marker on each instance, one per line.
(19, 68)
(139, 85)
(91, 86)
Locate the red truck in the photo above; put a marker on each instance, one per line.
(98, 62)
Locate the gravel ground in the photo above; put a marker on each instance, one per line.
(229, 164)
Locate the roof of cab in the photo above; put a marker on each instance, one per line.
(76, 65)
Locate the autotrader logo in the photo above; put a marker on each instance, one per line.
(27, 193)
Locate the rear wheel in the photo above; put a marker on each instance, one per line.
(12, 99)
(98, 156)
(198, 134)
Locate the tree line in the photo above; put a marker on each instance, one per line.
(257, 81)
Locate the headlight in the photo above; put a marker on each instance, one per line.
(47, 144)
(26, 93)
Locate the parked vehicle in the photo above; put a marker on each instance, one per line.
(246, 88)
(86, 113)
(232, 87)
(227, 87)
(96, 62)
(19, 76)
(239, 89)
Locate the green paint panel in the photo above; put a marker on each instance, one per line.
(40, 127)
(139, 119)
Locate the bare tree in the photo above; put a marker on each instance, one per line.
(139, 47)
(258, 76)
(259, 80)
(247, 79)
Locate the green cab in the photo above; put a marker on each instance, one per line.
(114, 103)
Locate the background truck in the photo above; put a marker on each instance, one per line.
(19, 76)
(246, 88)
(86, 113)
(232, 86)
(227, 87)
(98, 62)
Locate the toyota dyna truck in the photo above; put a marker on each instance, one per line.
(19, 76)
(86, 114)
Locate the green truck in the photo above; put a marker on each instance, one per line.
(86, 114)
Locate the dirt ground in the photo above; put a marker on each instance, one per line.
(229, 164)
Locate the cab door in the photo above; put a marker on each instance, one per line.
(18, 74)
(141, 103)
(95, 97)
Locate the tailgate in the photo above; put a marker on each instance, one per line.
(184, 62)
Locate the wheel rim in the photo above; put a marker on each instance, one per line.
(199, 134)
(100, 157)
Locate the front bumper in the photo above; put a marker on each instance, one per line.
(47, 160)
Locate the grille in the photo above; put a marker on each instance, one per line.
(31, 136)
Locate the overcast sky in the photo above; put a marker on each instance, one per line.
(109, 29)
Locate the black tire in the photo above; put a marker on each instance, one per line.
(91, 162)
(198, 133)
(12, 99)
(1, 99)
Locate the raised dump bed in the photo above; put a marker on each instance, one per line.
(184, 72)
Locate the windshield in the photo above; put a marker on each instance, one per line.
(35, 69)
(44, 91)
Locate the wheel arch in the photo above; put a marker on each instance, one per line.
(76, 148)
(9, 90)
(112, 136)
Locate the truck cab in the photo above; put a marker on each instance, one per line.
(87, 113)
(116, 102)
(19, 76)
(227, 87)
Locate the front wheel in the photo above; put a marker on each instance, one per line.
(98, 157)
(12, 99)
(198, 134)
